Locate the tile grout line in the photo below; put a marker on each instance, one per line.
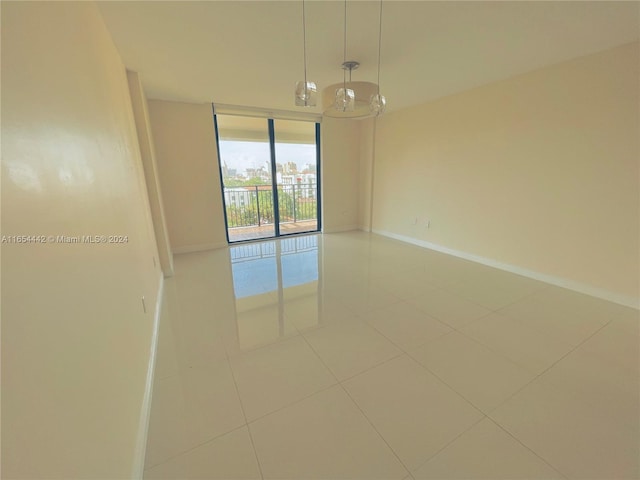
(405, 353)
(543, 333)
(434, 317)
(295, 402)
(501, 355)
(512, 317)
(344, 389)
(537, 377)
(554, 468)
(446, 289)
(179, 369)
(358, 406)
(259, 347)
(412, 358)
(246, 423)
(430, 317)
(526, 297)
(484, 416)
(227, 360)
(453, 440)
(490, 309)
(401, 353)
(190, 449)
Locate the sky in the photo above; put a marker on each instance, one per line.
(243, 155)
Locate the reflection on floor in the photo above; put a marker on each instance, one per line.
(353, 356)
(238, 234)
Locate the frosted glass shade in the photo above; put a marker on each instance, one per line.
(377, 104)
(345, 100)
(306, 93)
(362, 91)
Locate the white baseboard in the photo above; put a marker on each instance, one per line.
(626, 300)
(201, 247)
(145, 410)
(344, 228)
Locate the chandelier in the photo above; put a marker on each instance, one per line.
(347, 99)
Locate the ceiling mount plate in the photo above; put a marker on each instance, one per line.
(350, 65)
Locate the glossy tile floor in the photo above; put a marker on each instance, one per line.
(353, 356)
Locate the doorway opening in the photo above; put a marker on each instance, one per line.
(270, 172)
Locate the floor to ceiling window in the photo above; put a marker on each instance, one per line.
(270, 172)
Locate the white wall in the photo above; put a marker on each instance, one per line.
(538, 172)
(76, 344)
(366, 172)
(187, 157)
(340, 151)
(151, 175)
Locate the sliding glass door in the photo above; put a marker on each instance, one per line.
(244, 151)
(270, 176)
(296, 176)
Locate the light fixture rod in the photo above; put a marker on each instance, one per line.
(379, 46)
(345, 97)
(344, 55)
(304, 43)
(305, 92)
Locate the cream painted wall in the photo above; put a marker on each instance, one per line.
(151, 175)
(76, 343)
(340, 164)
(366, 171)
(187, 158)
(539, 172)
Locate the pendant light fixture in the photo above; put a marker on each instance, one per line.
(305, 91)
(345, 100)
(350, 99)
(377, 102)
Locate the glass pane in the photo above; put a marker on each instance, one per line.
(296, 175)
(245, 161)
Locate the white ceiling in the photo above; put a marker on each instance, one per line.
(250, 53)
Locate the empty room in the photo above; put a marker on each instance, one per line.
(317, 239)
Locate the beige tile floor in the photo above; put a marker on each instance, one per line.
(353, 356)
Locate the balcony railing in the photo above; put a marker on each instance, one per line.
(252, 205)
